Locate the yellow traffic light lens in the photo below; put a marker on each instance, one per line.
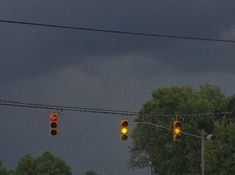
(177, 131)
(124, 130)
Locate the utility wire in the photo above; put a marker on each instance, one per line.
(167, 128)
(65, 108)
(203, 3)
(11, 103)
(119, 31)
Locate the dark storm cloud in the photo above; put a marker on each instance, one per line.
(29, 51)
(65, 67)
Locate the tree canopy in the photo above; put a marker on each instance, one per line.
(91, 173)
(3, 169)
(156, 144)
(45, 164)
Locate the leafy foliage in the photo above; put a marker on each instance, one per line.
(25, 166)
(91, 173)
(45, 164)
(3, 170)
(220, 152)
(156, 145)
(231, 107)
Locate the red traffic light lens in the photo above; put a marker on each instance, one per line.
(125, 123)
(177, 124)
(53, 117)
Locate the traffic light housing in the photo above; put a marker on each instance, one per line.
(124, 129)
(54, 124)
(177, 130)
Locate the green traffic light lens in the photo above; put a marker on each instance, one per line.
(178, 137)
(124, 137)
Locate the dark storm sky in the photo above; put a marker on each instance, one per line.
(65, 67)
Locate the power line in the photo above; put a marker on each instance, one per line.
(202, 3)
(65, 108)
(119, 31)
(167, 128)
(11, 103)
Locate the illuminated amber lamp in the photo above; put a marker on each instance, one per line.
(124, 129)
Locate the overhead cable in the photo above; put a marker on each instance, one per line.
(118, 31)
(11, 103)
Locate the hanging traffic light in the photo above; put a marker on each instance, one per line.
(54, 124)
(177, 130)
(124, 129)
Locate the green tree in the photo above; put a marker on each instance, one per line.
(3, 170)
(156, 145)
(220, 151)
(25, 166)
(45, 164)
(91, 173)
(231, 108)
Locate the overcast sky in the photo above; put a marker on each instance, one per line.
(91, 69)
